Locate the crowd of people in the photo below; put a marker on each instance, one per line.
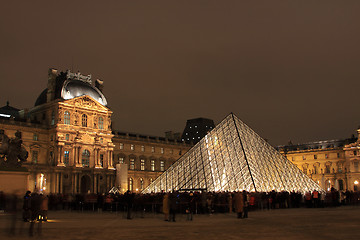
(34, 206)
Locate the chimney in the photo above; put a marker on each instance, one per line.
(52, 74)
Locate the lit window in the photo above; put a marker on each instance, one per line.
(327, 169)
(143, 148)
(101, 123)
(102, 160)
(66, 118)
(162, 166)
(162, 150)
(132, 164)
(101, 140)
(67, 137)
(34, 157)
(304, 157)
(130, 184)
(152, 165)
(132, 147)
(121, 160)
(340, 169)
(142, 164)
(186, 133)
(66, 157)
(153, 149)
(121, 146)
(326, 156)
(141, 184)
(85, 158)
(35, 137)
(84, 120)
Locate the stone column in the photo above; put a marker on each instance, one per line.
(95, 183)
(110, 160)
(60, 159)
(78, 157)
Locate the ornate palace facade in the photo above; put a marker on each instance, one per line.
(333, 163)
(72, 148)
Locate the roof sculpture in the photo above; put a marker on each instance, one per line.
(232, 157)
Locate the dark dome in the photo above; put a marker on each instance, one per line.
(75, 88)
(42, 98)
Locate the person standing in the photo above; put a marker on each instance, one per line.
(166, 206)
(36, 201)
(129, 198)
(246, 203)
(239, 204)
(26, 207)
(173, 205)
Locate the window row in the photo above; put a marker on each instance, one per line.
(143, 166)
(315, 156)
(142, 148)
(139, 186)
(84, 120)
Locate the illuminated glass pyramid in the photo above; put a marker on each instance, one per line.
(233, 157)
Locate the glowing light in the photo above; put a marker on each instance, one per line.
(356, 182)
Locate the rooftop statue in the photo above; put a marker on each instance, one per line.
(12, 153)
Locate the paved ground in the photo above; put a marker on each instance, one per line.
(328, 223)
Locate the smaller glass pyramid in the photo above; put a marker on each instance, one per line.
(232, 157)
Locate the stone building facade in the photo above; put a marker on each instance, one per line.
(72, 148)
(332, 163)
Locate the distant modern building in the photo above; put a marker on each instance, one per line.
(331, 163)
(72, 147)
(196, 129)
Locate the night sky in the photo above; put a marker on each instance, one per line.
(288, 69)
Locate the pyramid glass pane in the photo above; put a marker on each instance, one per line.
(232, 157)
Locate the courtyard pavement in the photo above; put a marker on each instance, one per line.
(303, 223)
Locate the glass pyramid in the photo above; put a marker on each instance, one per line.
(232, 157)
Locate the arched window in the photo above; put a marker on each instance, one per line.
(101, 123)
(141, 184)
(130, 184)
(66, 157)
(84, 120)
(86, 158)
(67, 118)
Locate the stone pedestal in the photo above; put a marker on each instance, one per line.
(14, 181)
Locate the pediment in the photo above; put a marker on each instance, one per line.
(86, 102)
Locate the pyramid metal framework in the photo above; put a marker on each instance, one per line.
(232, 157)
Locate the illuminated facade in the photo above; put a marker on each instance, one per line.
(233, 157)
(72, 148)
(332, 163)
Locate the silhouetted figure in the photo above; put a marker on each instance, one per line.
(166, 206)
(239, 204)
(173, 205)
(129, 199)
(12, 211)
(26, 207)
(36, 201)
